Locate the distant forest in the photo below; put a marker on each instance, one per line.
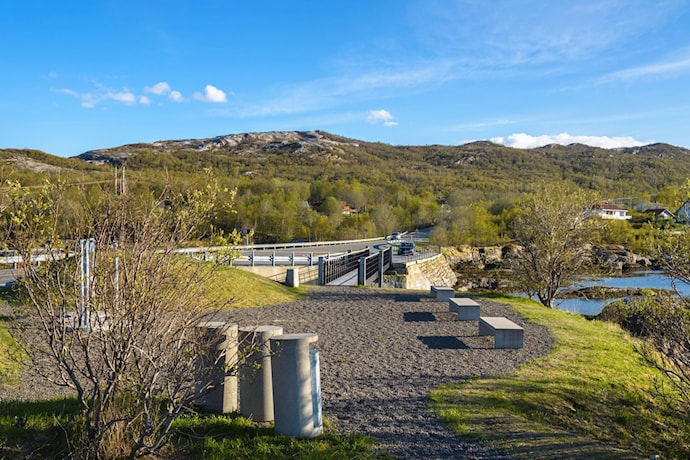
(319, 186)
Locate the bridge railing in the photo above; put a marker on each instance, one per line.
(332, 268)
(372, 267)
(265, 247)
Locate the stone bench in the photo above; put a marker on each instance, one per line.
(467, 309)
(442, 293)
(506, 333)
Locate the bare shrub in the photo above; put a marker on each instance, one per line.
(128, 345)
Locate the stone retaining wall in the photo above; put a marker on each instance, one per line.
(422, 274)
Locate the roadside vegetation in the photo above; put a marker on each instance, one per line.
(593, 396)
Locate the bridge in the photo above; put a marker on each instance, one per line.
(350, 262)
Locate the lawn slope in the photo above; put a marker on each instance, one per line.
(591, 397)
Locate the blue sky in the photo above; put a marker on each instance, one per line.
(80, 75)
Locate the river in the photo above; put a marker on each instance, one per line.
(642, 279)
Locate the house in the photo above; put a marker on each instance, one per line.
(660, 213)
(347, 210)
(609, 211)
(683, 213)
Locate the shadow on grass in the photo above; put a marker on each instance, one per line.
(35, 429)
(38, 430)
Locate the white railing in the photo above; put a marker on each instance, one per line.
(263, 247)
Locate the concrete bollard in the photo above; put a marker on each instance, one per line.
(222, 397)
(292, 277)
(296, 386)
(256, 380)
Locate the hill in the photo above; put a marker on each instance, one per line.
(296, 184)
(314, 154)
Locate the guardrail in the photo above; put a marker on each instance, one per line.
(263, 247)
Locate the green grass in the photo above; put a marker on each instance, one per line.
(244, 289)
(9, 368)
(39, 430)
(35, 429)
(591, 397)
(9, 351)
(222, 437)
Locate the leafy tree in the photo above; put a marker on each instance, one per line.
(551, 230)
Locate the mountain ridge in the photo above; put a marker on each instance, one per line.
(312, 156)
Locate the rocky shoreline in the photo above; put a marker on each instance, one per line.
(489, 267)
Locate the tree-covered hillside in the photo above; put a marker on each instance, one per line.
(295, 185)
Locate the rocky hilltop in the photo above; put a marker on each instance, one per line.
(245, 144)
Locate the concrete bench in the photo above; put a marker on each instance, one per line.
(442, 293)
(467, 309)
(506, 333)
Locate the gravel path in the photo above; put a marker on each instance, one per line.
(381, 352)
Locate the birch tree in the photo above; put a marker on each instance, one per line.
(551, 229)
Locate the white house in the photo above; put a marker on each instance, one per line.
(683, 213)
(660, 213)
(610, 211)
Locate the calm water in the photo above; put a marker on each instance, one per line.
(645, 279)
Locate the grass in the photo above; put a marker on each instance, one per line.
(39, 430)
(244, 289)
(35, 429)
(222, 437)
(591, 397)
(9, 365)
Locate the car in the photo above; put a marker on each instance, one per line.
(406, 248)
(395, 236)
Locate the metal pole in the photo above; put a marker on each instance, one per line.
(116, 274)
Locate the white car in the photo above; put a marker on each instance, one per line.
(395, 236)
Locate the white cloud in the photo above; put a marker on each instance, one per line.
(176, 96)
(211, 94)
(525, 141)
(159, 88)
(126, 96)
(90, 100)
(375, 117)
(144, 100)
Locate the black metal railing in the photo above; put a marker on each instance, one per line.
(331, 268)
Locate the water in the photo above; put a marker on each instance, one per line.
(644, 279)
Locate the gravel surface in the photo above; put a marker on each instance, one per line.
(381, 352)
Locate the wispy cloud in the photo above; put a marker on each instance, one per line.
(368, 85)
(375, 117)
(526, 141)
(504, 34)
(659, 69)
(160, 88)
(176, 96)
(89, 100)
